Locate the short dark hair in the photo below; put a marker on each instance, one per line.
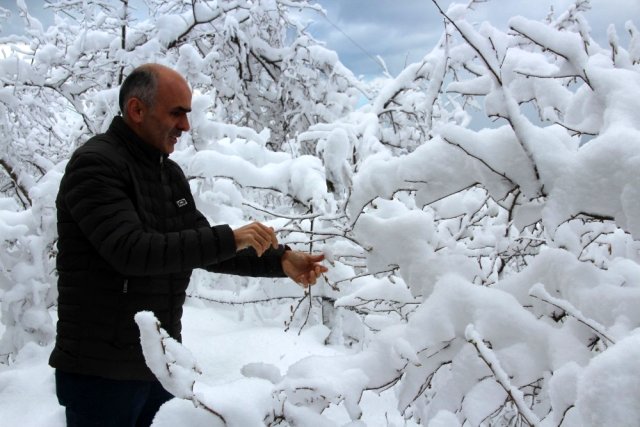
(142, 83)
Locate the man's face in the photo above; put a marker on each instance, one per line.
(163, 123)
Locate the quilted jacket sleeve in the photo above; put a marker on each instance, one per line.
(97, 198)
(247, 262)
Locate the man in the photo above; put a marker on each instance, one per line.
(129, 237)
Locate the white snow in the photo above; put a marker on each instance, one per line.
(480, 213)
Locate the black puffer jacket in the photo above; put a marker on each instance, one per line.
(129, 237)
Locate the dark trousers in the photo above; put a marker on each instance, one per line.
(91, 401)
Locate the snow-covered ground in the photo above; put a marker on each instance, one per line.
(221, 342)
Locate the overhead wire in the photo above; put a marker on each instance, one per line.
(356, 44)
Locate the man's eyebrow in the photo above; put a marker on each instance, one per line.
(182, 109)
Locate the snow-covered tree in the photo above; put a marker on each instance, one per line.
(258, 78)
(494, 269)
(480, 212)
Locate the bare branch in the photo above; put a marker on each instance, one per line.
(21, 192)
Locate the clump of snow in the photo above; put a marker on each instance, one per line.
(265, 371)
(616, 375)
(172, 363)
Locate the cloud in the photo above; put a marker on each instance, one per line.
(404, 31)
(399, 32)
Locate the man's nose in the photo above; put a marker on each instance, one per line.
(183, 124)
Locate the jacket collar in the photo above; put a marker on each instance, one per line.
(133, 142)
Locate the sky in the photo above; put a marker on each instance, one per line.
(402, 32)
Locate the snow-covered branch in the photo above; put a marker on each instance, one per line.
(490, 359)
(172, 363)
(538, 291)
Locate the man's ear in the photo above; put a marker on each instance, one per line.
(135, 110)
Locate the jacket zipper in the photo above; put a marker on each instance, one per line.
(125, 286)
(162, 177)
(168, 327)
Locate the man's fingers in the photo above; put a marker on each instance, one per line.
(311, 278)
(316, 258)
(319, 269)
(259, 244)
(308, 279)
(303, 268)
(263, 238)
(268, 235)
(256, 235)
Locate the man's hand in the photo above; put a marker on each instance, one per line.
(258, 236)
(302, 268)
